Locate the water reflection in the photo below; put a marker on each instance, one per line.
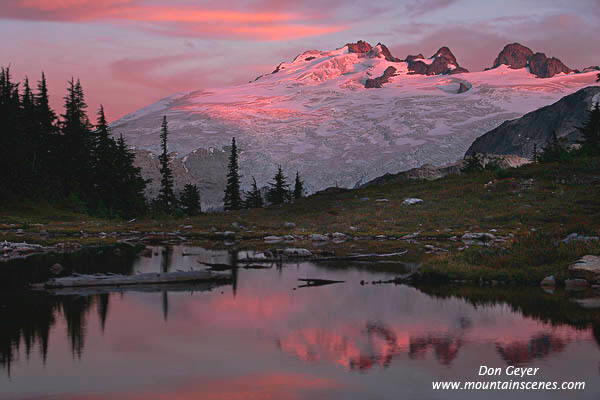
(261, 337)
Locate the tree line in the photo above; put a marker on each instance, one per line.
(63, 159)
(68, 160)
(279, 191)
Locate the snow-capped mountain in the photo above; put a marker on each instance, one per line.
(339, 117)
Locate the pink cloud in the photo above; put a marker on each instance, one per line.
(187, 21)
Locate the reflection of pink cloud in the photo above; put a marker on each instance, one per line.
(264, 387)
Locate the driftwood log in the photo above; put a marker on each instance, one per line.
(150, 278)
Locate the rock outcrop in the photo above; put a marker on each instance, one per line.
(387, 54)
(442, 62)
(359, 47)
(518, 136)
(380, 80)
(431, 172)
(517, 56)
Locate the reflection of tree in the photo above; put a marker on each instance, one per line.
(26, 321)
(102, 308)
(74, 310)
(555, 309)
(539, 346)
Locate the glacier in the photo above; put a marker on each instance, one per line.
(315, 116)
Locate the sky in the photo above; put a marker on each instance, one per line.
(131, 53)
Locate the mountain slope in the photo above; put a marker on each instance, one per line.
(315, 115)
(519, 135)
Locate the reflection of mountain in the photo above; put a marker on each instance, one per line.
(445, 347)
(539, 346)
(378, 344)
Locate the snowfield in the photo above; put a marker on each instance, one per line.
(315, 116)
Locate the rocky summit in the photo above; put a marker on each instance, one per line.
(517, 56)
(341, 117)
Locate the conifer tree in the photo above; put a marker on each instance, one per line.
(298, 187)
(104, 167)
(29, 141)
(76, 143)
(190, 200)
(166, 197)
(233, 198)
(472, 164)
(279, 191)
(10, 157)
(130, 185)
(554, 150)
(49, 158)
(591, 132)
(254, 197)
(534, 154)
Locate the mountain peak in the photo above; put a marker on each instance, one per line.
(359, 47)
(517, 56)
(442, 62)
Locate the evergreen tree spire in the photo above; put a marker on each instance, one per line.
(233, 198)
(279, 192)
(298, 187)
(190, 200)
(254, 198)
(166, 196)
(591, 132)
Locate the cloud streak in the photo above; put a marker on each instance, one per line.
(176, 20)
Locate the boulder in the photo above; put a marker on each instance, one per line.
(548, 281)
(315, 237)
(576, 284)
(587, 264)
(289, 225)
(381, 200)
(481, 236)
(273, 238)
(339, 236)
(411, 201)
(575, 236)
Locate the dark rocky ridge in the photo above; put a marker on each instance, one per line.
(517, 136)
(442, 60)
(380, 80)
(517, 56)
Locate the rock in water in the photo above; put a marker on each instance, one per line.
(548, 281)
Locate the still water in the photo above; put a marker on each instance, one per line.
(264, 337)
